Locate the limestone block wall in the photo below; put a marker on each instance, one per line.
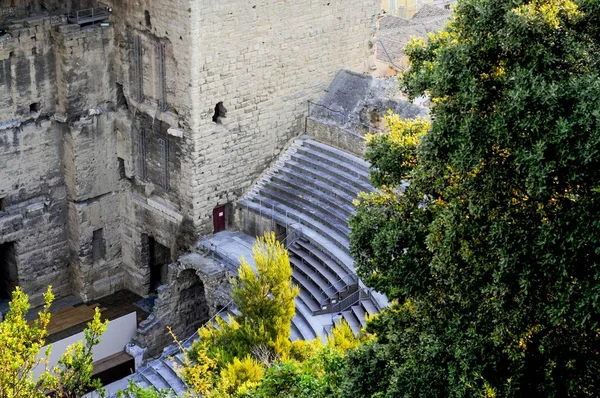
(34, 214)
(86, 109)
(27, 70)
(263, 60)
(83, 77)
(32, 194)
(95, 246)
(154, 140)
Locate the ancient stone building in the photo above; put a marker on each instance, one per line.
(128, 131)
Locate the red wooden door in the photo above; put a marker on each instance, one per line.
(219, 219)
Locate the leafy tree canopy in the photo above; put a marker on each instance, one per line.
(491, 252)
(21, 343)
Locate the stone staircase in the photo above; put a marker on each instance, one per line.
(314, 184)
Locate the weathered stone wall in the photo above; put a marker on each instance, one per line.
(332, 134)
(35, 206)
(263, 60)
(107, 133)
(197, 289)
(86, 103)
(31, 183)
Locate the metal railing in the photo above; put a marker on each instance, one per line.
(94, 13)
(212, 249)
(183, 345)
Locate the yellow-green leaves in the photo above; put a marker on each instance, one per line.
(20, 345)
(394, 153)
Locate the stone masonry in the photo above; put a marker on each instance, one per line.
(119, 134)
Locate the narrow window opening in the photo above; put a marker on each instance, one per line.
(34, 51)
(142, 169)
(162, 76)
(9, 278)
(147, 19)
(164, 151)
(121, 100)
(122, 174)
(220, 112)
(35, 107)
(3, 204)
(138, 68)
(98, 245)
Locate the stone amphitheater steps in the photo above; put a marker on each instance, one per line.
(369, 307)
(315, 185)
(331, 171)
(322, 226)
(309, 293)
(328, 240)
(318, 190)
(344, 157)
(321, 175)
(168, 375)
(329, 217)
(290, 178)
(325, 288)
(352, 321)
(313, 200)
(348, 168)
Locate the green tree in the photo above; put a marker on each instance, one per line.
(220, 358)
(20, 346)
(74, 369)
(491, 253)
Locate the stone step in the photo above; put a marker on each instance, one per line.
(330, 173)
(305, 313)
(294, 332)
(311, 299)
(359, 313)
(175, 367)
(352, 321)
(369, 307)
(325, 195)
(335, 284)
(318, 239)
(153, 379)
(169, 376)
(318, 156)
(327, 190)
(314, 200)
(312, 251)
(301, 320)
(337, 153)
(295, 168)
(328, 289)
(324, 217)
(341, 241)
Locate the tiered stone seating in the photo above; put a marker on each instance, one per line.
(312, 184)
(315, 184)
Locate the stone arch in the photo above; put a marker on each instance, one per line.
(191, 307)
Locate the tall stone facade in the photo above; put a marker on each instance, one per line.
(117, 141)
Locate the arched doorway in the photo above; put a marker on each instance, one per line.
(191, 310)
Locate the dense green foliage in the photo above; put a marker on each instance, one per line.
(20, 346)
(492, 252)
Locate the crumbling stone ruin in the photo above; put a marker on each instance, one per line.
(112, 159)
